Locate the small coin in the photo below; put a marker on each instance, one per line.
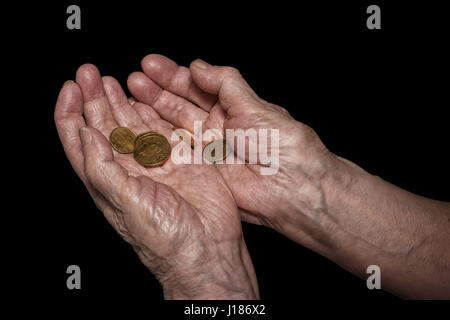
(184, 135)
(148, 133)
(151, 149)
(216, 150)
(122, 140)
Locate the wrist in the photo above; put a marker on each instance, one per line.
(218, 272)
(309, 216)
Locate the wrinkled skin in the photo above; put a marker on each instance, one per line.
(317, 199)
(226, 101)
(182, 220)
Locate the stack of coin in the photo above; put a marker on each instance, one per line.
(149, 149)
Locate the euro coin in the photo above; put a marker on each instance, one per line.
(148, 133)
(151, 149)
(216, 150)
(122, 140)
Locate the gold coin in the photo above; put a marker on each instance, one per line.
(183, 135)
(151, 149)
(122, 140)
(222, 147)
(148, 133)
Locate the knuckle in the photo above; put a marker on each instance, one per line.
(231, 72)
(307, 130)
(281, 110)
(308, 134)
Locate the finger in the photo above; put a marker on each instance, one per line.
(215, 119)
(147, 113)
(97, 110)
(176, 79)
(178, 111)
(139, 203)
(69, 119)
(106, 175)
(248, 217)
(113, 183)
(155, 123)
(124, 114)
(235, 95)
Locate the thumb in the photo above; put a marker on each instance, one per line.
(105, 175)
(235, 95)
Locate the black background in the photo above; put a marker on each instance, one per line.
(376, 97)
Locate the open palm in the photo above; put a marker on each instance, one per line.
(221, 99)
(175, 216)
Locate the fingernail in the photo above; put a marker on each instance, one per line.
(131, 100)
(199, 63)
(67, 82)
(85, 135)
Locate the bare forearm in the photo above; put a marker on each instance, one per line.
(363, 220)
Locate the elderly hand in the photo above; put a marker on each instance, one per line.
(182, 220)
(314, 197)
(289, 196)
